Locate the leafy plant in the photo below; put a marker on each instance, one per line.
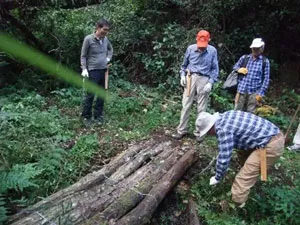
(19, 177)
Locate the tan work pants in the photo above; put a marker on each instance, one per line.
(197, 84)
(246, 102)
(247, 176)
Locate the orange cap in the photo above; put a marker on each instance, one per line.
(203, 37)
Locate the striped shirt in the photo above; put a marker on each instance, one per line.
(241, 130)
(255, 82)
(205, 63)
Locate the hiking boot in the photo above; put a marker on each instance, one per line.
(178, 136)
(294, 147)
(99, 121)
(87, 122)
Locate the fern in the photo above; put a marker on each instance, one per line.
(50, 162)
(19, 177)
(3, 211)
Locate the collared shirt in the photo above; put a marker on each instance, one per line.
(205, 63)
(94, 52)
(241, 130)
(255, 82)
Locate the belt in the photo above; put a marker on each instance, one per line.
(199, 74)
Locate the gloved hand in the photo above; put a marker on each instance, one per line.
(207, 88)
(243, 70)
(183, 81)
(213, 181)
(85, 73)
(258, 98)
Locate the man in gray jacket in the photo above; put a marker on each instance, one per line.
(96, 53)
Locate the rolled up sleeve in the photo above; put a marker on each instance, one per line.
(84, 52)
(185, 62)
(214, 69)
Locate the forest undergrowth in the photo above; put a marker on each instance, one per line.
(45, 148)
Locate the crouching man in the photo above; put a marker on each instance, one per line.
(248, 133)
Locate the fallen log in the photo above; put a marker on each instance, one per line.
(134, 183)
(143, 212)
(192, 213)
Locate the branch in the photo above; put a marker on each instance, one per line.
(30, 38)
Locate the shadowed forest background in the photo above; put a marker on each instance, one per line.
(42, 145)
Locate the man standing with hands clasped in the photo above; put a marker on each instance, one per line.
(200, 65)
(96, 53)
(254, 78)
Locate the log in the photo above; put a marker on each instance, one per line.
(143, 212)
(134, 183)
(192, 213)
(85, 183)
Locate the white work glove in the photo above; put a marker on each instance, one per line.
(183, 81)
(213, 181)
(85, 73)
(107, 60)
(207, 88)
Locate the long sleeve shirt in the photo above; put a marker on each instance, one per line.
(205, 63)
(241, 130)
(256, 81)
(94, 52)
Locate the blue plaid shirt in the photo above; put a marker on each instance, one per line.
(254, 82)
(205, 63)
(241, 130)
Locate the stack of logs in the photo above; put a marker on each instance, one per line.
(126, 191)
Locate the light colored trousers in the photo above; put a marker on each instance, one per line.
(197, 84)
(247, 176)
(296, 139)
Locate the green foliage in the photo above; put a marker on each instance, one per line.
(278, 198)
(162, 59)
(33, 163)
(287, 100)
(35, 129)
(136, 107)
(3, 210)
(16, 180)
(19, 177)
(80, 154)
(209, 198)
(286, 204)
(150, 36)
(45, 63)
(221, 100)
(281, 204)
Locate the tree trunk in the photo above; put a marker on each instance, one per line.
(29, 36)
(126, 191)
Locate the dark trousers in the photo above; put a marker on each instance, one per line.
(98, 77)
